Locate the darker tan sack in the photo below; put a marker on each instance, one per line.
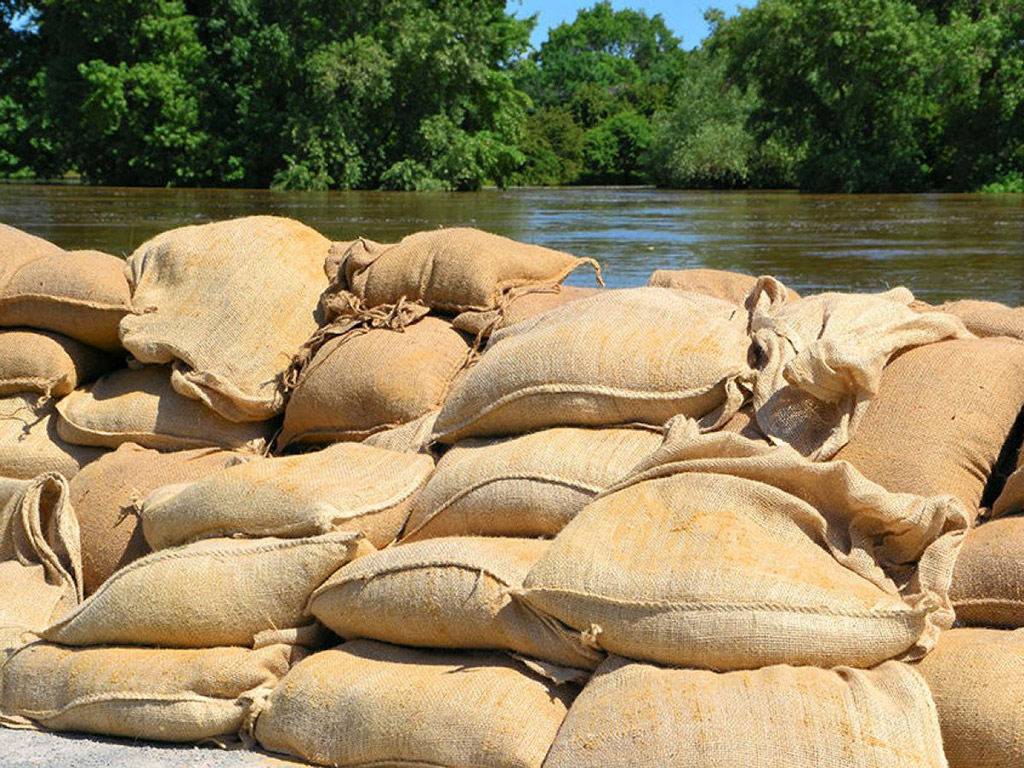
(988, 318)
(722, 284)
(47, 363)
(988, 581)
(520, 305)
(1011, 498)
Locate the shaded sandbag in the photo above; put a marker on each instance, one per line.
(143, 693)
(80, 294)
(213, 592)
(347, 487)
(372, 370)
(821, 359)
(47, 363)
(40, 559)
(633, 356)
(365, 703)
(228, 304)
(744, 422)
(412, 437)
(988, 581)
(632, 714)
(463, 591)
(531, 485)
(941, 418)
(1011, 498)
(450, 270)
(106, 495)
(976, 678)
(518, 306)
(720, 283)
(29, 441)
(987, 318)
(141, 406)
(724, 553)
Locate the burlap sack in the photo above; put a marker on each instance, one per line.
(988, 581)
(724, 553)
(228, 304)
(632, 715)
(461, 588)
(369, 379)
(744, 422)
(29, 440)
(413, 437)
(39, 361)
(107, 493)
(214, 592)
(1011, 498)
(942, 416)
(80, 294)
(347, 487)
(450, 270)
(366, 703)
(720, 283)
(40, 559)
(631, 356)
(821, 359)
(531, 485)
(140, 406)
(142, 693)
(977, 680)
(519, 305)
(987, 318)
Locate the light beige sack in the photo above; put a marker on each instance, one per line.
(720, 283)
(724, 553)
(366, 703)
(988, 582)
(141, 693)
(1011, 498)
(47, 363)
(40, 559)
(29, 440)
(371, 370)
(449, 270)
(519, 305)
(347, 487)
(977, 680)
(531, 485)
(228, 304)
(455, 592)
(141, 406)
(214, 592)
(632, 715)
(80, 294)
(987, 318)
(412, 437)
(107, 493)
(821, 359)
(632, 356)
(942, 416)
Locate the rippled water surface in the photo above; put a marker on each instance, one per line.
(940, 246)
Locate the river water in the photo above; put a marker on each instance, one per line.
(940, 246)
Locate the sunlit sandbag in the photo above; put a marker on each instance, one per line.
(720, 283)
(30, 444)
(519, 305)
(47, 363)
(988, 581)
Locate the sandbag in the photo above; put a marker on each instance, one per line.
(40, 558)
(450, 270)
(1011, 498)
(365, 703)
(18, 247)
(941, 418)
(143, 693)
(228, 304)
(518, 306)
(141, 406)
(411, 437)
(455, 592)
(107, 493)
(987, 318)
(347, 487)
(632, 356)
(47, 363)
(80, 294)
(211, 593)
(821, 359)
(531, 485)
(988, 581)
(976, 678)
(29, 441)
(371, 377)
(725, 553)
(632, 714)
(720, 283)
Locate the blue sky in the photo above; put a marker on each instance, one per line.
(684, 17)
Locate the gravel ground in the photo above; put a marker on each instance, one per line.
(34, 749)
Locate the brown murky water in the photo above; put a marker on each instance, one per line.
(940, 246)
